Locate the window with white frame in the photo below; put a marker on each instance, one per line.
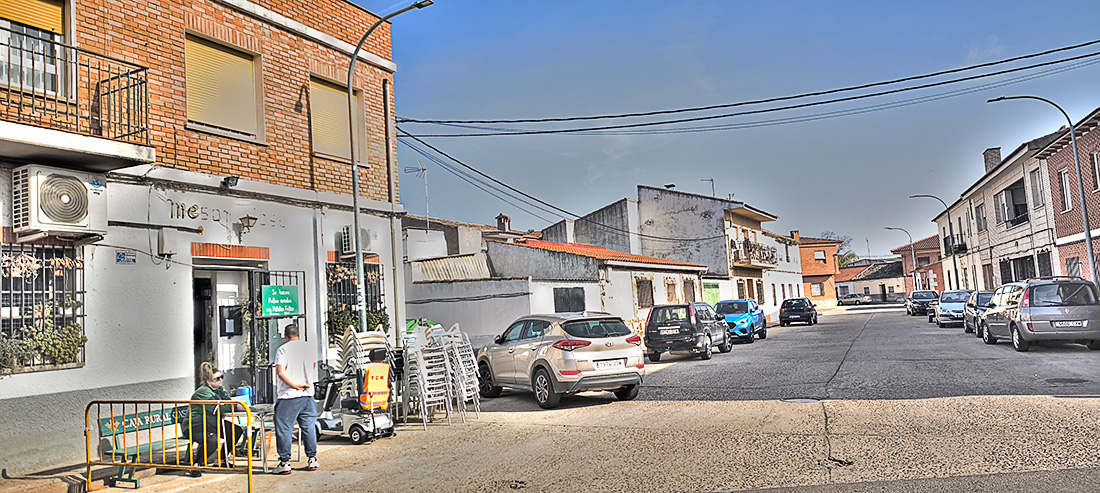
(30, 31)
(979, 212)
(1067, 199)
(1037, 196)
(1095, 161)
(999, 207)
(817, 289)
(223, 89)
(819, 256)
(1073, 266)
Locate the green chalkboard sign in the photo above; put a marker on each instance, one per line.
(279, 301)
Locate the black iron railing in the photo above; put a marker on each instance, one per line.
(343, 313)
(41, 307)
(1018, 220)
(749, 252)
(53, 85)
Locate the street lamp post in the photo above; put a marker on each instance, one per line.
(912, 252)
(360, 292)
(1080, 182)
(950, 231)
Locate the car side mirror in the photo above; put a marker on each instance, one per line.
(498, 339)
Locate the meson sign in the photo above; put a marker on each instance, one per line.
(181, 210)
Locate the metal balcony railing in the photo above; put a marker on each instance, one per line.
(1018, 220)
(748, 252)
(954, 244)
(49, 84)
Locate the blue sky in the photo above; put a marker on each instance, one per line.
(474, 59)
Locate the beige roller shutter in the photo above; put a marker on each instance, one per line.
(329, 119)
(42, 14)
(221, 87)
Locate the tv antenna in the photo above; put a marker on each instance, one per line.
(422, 172)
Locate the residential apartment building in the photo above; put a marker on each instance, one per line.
(1069, 230)
(171, 162)
(1003, 224)
(819, 268)
(926, 270)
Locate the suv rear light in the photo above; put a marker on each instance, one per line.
(635, 340)
(691, 313)
(569, 372)
(1026, 302)
(641, 366)
(571, 344)
(647, 317)
(782, 310)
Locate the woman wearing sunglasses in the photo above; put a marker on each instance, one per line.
(206, 419)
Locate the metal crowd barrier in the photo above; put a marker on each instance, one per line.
(141, 434)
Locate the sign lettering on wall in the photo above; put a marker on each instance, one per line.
(279, 301)
(196, 212)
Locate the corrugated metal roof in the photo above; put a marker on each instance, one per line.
(601, 253)
(454, 268)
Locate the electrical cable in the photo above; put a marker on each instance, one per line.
(562, 211)
(762, 101)
(768, 110)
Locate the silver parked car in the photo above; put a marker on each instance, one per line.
(563, 353)
(1044, 309)
(949, 309)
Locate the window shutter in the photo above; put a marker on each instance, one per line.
(221, 87)
(329, 120)
(42, 14)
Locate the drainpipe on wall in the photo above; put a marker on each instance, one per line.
(398, 324)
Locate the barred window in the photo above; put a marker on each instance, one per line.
(41, 307)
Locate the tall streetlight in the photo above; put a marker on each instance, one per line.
(912, 252)
(950, 231)
(360, 282)
(1080, 182)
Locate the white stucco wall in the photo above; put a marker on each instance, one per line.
(542, 295)
(420, 244)
(482, 308)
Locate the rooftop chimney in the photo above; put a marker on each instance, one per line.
(992, 158)
(503, 222)
(794, 235)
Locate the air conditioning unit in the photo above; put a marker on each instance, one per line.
(58, 202)
(347, 241)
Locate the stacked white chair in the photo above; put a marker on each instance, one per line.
(464, 365)
(433, 376)
(355, 348)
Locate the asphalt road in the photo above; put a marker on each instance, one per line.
(867, 400)
(870, 352)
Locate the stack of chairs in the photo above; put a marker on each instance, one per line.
(464, 365)
(354, 352)
(429, 377)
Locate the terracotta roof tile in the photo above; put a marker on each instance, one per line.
(806, 240)
(849, 273)
(601, 253)
(929, 243)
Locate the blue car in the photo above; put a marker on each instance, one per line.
(745, 319)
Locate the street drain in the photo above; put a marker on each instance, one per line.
(801, 400)
(1065, 380)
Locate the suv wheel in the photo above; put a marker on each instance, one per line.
(654, 357)
(727, 345)
(627, 393)
(485, 382)
(751, 338)
(986, 336)
(1018, 342)
(544, 390)
(707, 351)
(966, 327)
(764, 333)
(1093, 345)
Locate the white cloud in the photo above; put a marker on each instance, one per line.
(992, 50)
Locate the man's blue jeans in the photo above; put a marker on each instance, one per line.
(287, 411)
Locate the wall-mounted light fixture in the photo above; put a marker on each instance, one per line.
(230, 181)
(247, 222)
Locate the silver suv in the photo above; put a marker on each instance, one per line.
(563, 353)
(1043, 309)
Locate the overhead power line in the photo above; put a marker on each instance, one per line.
(560, 212)
(770, 110)
(762, 101)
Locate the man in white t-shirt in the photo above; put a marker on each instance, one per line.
(295, 365)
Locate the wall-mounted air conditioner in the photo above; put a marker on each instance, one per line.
(347, 241)
(58, 202)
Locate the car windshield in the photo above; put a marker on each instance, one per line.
(983, 298)
(670, 314)
(1063, 294)
(799, 303)
(732, 307)
(592, 329)
(924, 295)
(956, 297)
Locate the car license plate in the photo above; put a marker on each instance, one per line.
(610, 364)
(1070, 323)
(669, 332)
(796, 316)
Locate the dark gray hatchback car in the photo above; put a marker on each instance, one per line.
(1043, 309)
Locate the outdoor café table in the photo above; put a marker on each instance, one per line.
(260, 412)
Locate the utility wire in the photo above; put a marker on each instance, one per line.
(768, 110)
(566, 213)
(762, 101)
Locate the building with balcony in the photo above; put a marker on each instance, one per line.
(1003, 223)
(1070, 256)
(165, 164)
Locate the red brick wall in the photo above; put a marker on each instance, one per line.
(828, 297)
(152, 34)
(907, 265)
(1076, 250)
(1070, 223)
(811, 267)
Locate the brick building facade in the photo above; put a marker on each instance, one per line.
(215, 132)
(1064, 195)
(929, 267)
(819, 269)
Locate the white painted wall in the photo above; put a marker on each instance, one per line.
(420, 244)
(482, 308)
(542, 295)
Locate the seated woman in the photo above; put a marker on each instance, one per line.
(206, 425)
